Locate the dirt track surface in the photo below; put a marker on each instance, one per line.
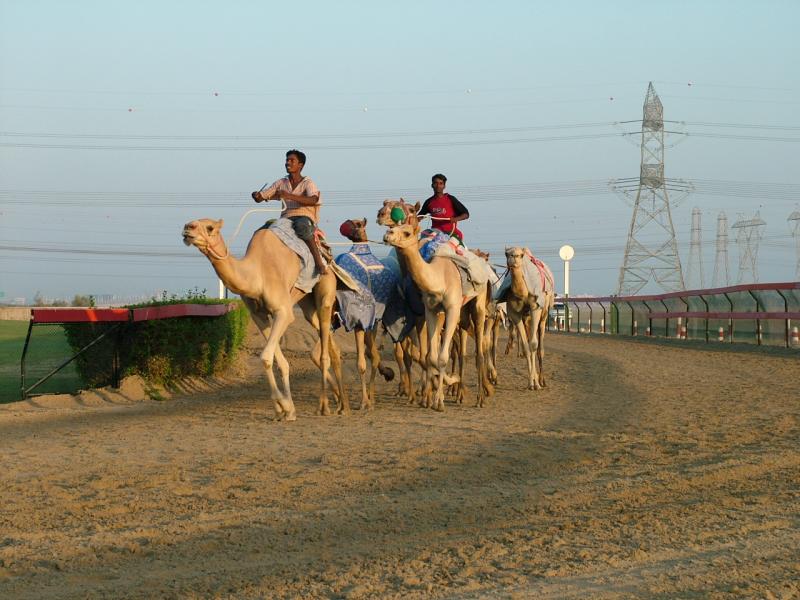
(643, 470)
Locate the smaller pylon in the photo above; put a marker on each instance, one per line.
(748, 236)
(794, 226)
(721, 277)
(694, 274)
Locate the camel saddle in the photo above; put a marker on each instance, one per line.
(308, 277)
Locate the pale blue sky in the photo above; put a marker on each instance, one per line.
(98, 219)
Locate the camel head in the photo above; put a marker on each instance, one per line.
(514, 257)
(204, 234)
(354, 230)
(409, 212)
(402, 236)
(481, 253)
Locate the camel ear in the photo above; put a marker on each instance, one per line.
(385, 202)
(364, 221)
(417, 207)
(220, 223)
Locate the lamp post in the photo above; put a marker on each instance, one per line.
(566, 253)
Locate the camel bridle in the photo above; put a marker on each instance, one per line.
(213, 253)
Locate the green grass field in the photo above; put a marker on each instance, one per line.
(47, 349)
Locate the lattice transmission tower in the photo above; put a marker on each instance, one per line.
(748, 236)
(794, 225)
(722, 277)
(694, 272)
(651, 252)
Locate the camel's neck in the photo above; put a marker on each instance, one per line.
(234, 273)
(425, 276)
(518, 286)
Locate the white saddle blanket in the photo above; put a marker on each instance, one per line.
(475, 272)
(538, 278)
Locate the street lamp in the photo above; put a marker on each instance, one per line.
(566, 253)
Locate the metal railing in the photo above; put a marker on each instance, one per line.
(761, 313)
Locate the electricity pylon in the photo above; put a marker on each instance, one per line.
(748, 236)
(794, 225)
(722, 277)
(651, 252)
(694, 272)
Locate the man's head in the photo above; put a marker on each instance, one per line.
(295, 161)
(438, 183)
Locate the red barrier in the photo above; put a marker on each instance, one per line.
(112, 315)
(55, 315)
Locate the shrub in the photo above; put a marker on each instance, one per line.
(162, 351)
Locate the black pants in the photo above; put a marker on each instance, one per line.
(303, 227)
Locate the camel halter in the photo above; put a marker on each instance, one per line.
(214, 254)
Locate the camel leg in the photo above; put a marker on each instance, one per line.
(461, 389)
(528, 358)
(362, 367)
(408, 363)
(373, 347)
(479, 322)
(451, 319)
(420, 338)
(494, 334)
(536, 322)
(324, 295)
(282, 318)
(399, 357)
(264, 326)
(433, 321)
(283, 368)
(512, 332)
(337, 381)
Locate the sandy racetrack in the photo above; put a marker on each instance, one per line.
(644, 469)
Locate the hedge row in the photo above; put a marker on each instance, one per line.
(162, 351)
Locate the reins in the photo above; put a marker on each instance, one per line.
(213, 253)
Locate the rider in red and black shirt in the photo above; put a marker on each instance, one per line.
(445, 210)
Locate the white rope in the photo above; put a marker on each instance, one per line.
(254, 210)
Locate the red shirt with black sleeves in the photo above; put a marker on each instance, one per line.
(444, 207)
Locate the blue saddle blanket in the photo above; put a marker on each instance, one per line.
(377, 281)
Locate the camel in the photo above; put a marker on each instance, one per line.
(495, 314)
(366, 341)
(440, 285)
(413, 348)
(265, 279)
(525, 304)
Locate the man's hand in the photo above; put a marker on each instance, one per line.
(257, 196)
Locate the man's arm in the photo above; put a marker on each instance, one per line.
(425, 210)
(263, 194)
(462, 214)
(300, 199)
